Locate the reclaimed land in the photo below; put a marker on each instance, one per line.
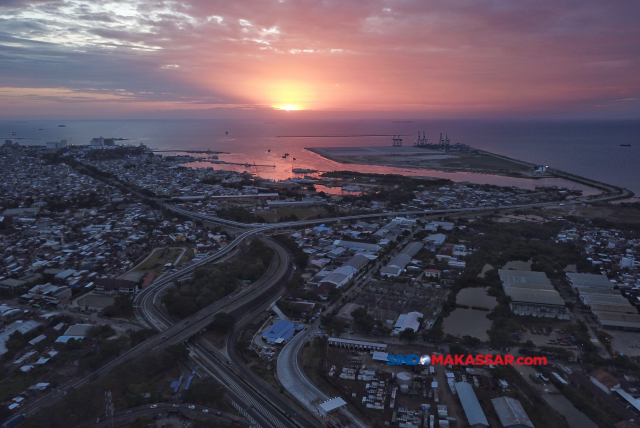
(422, 158)
(456, 161)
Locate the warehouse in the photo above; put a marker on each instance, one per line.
(617, 320)
(537, 303)
(471, 406)
(511, 413)
(589, 280)
(405, 321)
(280, 332)
(411, 249)
(523, 276)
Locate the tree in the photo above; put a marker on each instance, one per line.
(178, 352)
(223, 322)
(434, 333)
(470, 340)
(205, 393)
(529, 345)
(408, 334)
(362, 320)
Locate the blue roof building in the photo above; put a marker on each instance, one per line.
(471, 406)
(280, 332)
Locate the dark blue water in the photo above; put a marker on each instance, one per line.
(588, 148)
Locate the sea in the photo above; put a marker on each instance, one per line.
(607, 151)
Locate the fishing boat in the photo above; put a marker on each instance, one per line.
(625, 145)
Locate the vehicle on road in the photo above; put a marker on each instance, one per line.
(205, 411)
(192, 406)
(218, 413)
(154, 406)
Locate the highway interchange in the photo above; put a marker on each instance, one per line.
(266, 407)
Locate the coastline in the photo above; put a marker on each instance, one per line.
(434, 160)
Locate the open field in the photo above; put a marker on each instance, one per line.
(419, 158)
(159, 257)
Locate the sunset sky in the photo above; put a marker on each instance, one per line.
(334, 58)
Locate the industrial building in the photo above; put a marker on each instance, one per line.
(356, 344)
(511, 413)
(281, 332)
(617, 320)
(358, 246)
(471, 406)
(588, 280)
(610, 309)
(532, 294)
(338, 277)
(405, 321)
(331, 406)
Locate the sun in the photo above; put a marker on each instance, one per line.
(287, 107)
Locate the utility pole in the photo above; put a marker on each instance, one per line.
(109, 408)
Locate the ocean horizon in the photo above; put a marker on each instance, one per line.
(596, 149)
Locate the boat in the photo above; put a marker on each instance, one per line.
(40, 129)
(284, 157)
(226, 132)
(13, 133)
(269, 150)
(62, 126)
(294, 158)
(303, 170)
(625, 145)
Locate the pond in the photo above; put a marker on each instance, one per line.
(470, 322)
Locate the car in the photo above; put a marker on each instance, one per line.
(205, 411)
(192, 406)
(218, 413)
(129, 411)
(228, 361)
(175, 405)
(153, 406)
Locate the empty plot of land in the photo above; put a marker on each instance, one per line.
(158, 258)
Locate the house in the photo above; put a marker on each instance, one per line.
(432, 273)
(344, 314)
(12, 285)
(109, 286)
(604, 380)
